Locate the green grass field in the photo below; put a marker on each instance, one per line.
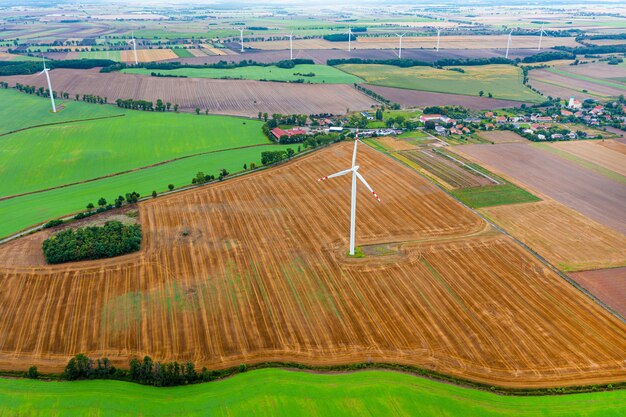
(25, 110)
(503, 81)
(182, 53)
(323, 73)
(493, 195)
(273, 392)
(74, 152)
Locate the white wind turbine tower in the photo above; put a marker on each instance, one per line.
(134, 47)
(349, 32)
(400, 48)
(291, 46)
(45, 71)
(241, 38)
(508, 44)
(438, 34)
(355, 174)
(541, 36)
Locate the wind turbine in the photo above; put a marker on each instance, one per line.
(349, 32)
(291, 45)
(400, 49)
(508, 44)
(355, 174)
(45, 71)
(541, 36)
(438, 33)
(241, 38)
(134, 47)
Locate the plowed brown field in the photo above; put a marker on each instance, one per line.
(563, 236)
(255, 269)
(235, 97)
(609, 285)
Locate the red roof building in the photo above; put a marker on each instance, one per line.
(278, 132)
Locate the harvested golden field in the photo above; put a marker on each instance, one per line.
(501, 136)
(197, 52)
(394, 144)
(595, 152)
(255, 269)
(566, 238)
(148, 55)
(213, 50)
(614, 146)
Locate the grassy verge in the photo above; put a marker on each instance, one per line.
(274, 392)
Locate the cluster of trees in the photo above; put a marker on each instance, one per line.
(201, 178)
(320, 139)
(90, 98)
(339, 37)
(146, 371)
(548, 56)
(145, 105)
(290, 63)
(112, 239)
(272, 157)
(4, 84)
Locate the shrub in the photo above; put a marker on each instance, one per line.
(53, 223)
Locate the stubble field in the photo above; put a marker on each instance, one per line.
(254, 269)
(566, 238)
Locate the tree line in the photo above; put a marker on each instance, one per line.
(32, 67)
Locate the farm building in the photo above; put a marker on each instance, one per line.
(430, 118)
(278, 132)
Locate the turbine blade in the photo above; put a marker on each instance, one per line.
(359, 176)
(337, 174)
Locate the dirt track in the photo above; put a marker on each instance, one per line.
(254, 269)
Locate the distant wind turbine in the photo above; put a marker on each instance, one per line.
(541, 36)
(438, 34)
(349, 32)
(400, 48)
(134, 47)
(355, 174)
(291, 46)
(45, 71)
(508, 44)
(241, 38)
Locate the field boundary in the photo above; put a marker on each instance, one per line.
(373, 366)
(522, 244)
(61, 123)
